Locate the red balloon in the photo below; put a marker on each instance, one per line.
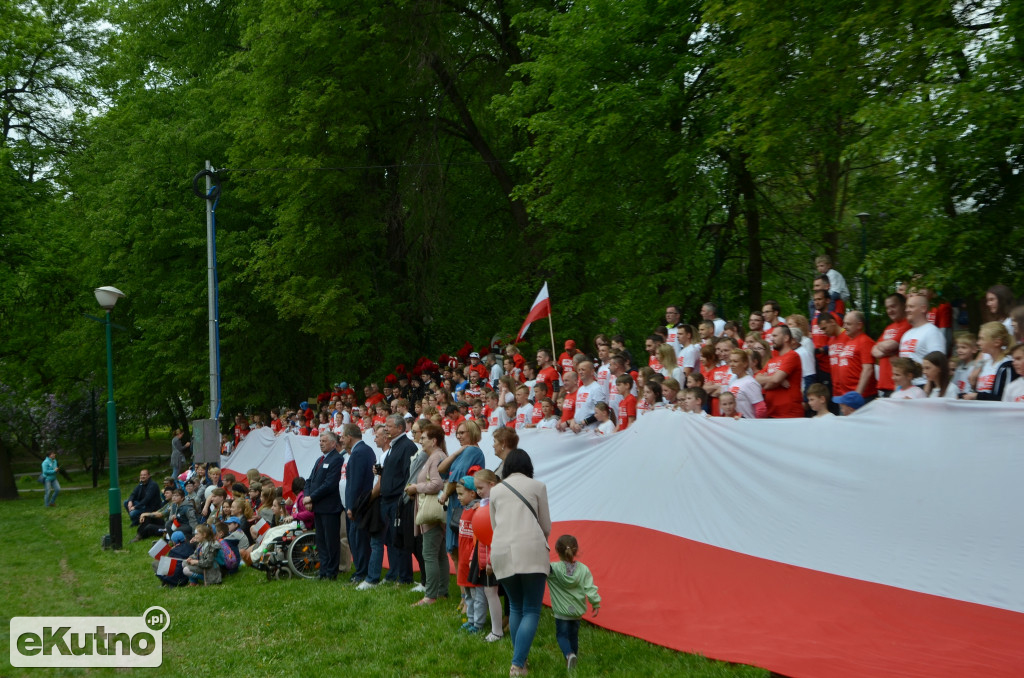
(482, 525)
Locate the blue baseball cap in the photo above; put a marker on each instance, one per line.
(851, 399)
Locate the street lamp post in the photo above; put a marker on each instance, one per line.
(107, 298)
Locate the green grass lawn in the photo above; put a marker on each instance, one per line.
(53, 565)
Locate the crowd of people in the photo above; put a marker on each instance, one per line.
(713, 368)
(407, 495)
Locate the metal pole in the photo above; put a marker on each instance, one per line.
(95, 441)
(211, 283)
(115, 483)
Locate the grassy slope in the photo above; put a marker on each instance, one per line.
(251, 627)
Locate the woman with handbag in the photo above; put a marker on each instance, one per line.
(430, 515)
(519, 550)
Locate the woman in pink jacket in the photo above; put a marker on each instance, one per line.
(519, 550)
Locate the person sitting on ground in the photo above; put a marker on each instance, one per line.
(181, 515)
(145, 498)
(152, 524)
(229, 549)
(181, 550)
(201, 567)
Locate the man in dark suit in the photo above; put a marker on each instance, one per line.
(359, 482)
(393, 480)
(323, 497)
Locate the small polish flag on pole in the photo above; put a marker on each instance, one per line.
(541, 309)
(168, 566)
(261, 527)
(159, 549)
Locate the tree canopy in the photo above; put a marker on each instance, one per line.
(399, 178)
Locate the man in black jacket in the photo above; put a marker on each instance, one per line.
(393, 480)
(323, 497)
(359, 483)
(145, 498)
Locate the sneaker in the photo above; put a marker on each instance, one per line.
(473, 629)
(467, 626)
(419, 588)
(493, 638)
(570, 662)
(366, 586)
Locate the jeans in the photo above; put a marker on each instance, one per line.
(567, 632)
(525, 593)
(435, 562)
(376, 559)
(133, 514)
(52, 490)
(476, 607)
(359, 544)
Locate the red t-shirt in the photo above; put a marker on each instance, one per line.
(627, 409)
(374, 399)
(893, 332)
(276, 425)
(847, 356)
(654, 363)
(466, 543)
(565, 360)
(548, 376)
(820, 339)
(721, 375)
(518, 360)
(942, 315)
(785, 402)
(568, 406)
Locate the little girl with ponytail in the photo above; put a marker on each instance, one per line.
(571, 585)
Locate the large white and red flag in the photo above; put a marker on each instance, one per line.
(541, 309)
(291, 472)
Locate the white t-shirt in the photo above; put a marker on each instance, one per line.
(586, 398)
(497, 372)
(917, 342)
(961, 375)
(606, 428)
(524, 416)
(908, 393)
(808, 366)
(689, 356)
(987, 376)
(673, 339)
(1014, 391)
(550, 422)
(951, 391)
(837, 284)
(748, 393)
(603, 375)
(719, 326)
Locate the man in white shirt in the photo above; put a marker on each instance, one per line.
(588, 394)
(604, 354)
(922, 338)
(710, 312)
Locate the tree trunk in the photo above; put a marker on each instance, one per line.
(8, 485)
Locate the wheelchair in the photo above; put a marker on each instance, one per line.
(292, 554)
